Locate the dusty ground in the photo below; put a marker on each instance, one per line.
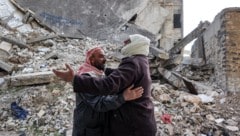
(51, 106)
(229, 105)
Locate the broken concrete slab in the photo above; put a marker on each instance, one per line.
(191, 36)
(20, 44)
(180, 81)
(193, 86)
(51, 55)
(42, 38)
(5, 66)
(5, 46)
(171, 78)
(159, 53)
(32, 78)
(173, 62)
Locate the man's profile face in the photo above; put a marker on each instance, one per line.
(98, 59)
(127, 42)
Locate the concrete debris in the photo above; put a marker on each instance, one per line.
(159, 53)
(32, 78)
(190, 94)
(5, 46)
(191, 113)
(191, 36)
(39, 39)
(205, 99)
(13, 41)
(5, 66)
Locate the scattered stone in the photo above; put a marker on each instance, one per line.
(205, 99)
(41, 113)
(232, 128)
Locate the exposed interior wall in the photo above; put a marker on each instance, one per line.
(169, 34)
(110, 20)
(152, 22)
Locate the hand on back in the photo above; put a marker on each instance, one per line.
(132, 93)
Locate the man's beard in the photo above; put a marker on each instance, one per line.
(100, 67)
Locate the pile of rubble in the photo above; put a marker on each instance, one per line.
(177, 112)
(184, 105)
(193, 115)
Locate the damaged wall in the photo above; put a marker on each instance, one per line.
(222, 49)
(110, 20)
(172, 29)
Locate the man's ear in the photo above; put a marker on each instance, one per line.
(91, 59)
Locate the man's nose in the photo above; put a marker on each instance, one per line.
(104, 59)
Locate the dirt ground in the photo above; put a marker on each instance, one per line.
(229, 105)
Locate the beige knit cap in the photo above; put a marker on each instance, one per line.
(139, 45)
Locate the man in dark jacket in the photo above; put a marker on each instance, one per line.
(90, 114)
(133, 118)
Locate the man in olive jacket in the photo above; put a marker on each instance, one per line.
(133, 118)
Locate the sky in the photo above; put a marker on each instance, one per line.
(195, 11)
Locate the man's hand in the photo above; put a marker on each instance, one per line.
(67, 75)
(132, 94)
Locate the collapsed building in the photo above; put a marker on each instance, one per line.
(36, 37)
(111, 23)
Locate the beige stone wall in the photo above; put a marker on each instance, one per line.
(232, 45)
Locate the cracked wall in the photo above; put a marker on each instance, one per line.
(222, 49)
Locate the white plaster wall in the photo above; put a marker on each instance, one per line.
(152, 22)
(127, 11)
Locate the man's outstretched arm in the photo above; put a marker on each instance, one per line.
(118, 80)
